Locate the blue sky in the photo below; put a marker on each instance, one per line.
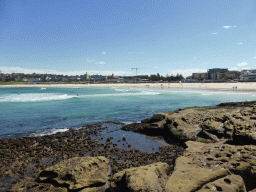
(112, 36)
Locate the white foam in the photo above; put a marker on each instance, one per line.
(34, 97)
(49, 132)
(43, 88)
(125, 90)
(123, 94)
(127, 122)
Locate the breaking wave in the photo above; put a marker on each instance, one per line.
(123, 94)
(49, 132)
(34, 97)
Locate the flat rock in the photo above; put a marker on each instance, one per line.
(202, 164)
(231, 183)
(77, 173)
(147, 178)
(188, 177)
(235, 122)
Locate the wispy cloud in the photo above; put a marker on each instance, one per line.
(240, 43)
(104, 53)
(89, 60)
(254, 57)
(233, 69)
(27, 71)
(227, 27)
(186, 72)
(242, 64)
(101, 63)
(44, 71)
(214, 33)
(234, 26)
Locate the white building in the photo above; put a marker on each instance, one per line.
(248, 75)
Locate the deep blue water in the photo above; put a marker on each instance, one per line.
(39, 111)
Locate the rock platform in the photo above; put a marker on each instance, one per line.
(219, 155)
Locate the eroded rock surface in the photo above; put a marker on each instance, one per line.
(206, 166)
(228, 183)
(230, 121)
(149, 178)
(77, 173)
(74, 174)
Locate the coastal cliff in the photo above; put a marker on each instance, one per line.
(219, 155)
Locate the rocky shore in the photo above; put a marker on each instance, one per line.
(209, 149)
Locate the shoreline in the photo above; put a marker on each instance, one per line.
(241, 86)
(98, 140)
(25, 157)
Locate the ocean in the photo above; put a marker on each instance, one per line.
(42, 111)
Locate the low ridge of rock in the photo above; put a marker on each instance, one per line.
(202, 165)
(227, 121)
(228, 183)
(149, 178)
(77, 173)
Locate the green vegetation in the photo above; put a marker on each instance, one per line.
(204, 108)
(22, 83)
(13, 83)
(204, 141)
(172, 112)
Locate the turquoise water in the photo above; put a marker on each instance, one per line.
(40, 111)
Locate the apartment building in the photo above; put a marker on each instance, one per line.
(248, 75)
(199, 76)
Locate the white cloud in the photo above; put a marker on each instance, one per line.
(186, 72)
(103, 52)
(214, 33)
(101, 63)
(27, 71)
(254, 57)
(226, 27)
(240, 43)
(44, 71)
(242, 64)
(234, 26)
(233, 69)
(89, 61)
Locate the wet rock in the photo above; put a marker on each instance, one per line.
(77, 173)
(109, 139)
(145, 178)
(232, 121)
(156, 118)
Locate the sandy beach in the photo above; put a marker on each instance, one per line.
(239, 86)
